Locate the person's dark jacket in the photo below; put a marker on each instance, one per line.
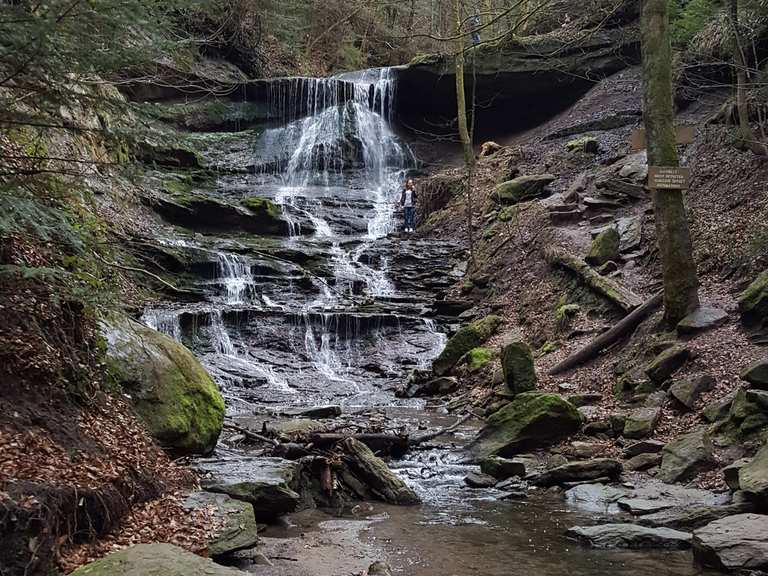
(402, 197)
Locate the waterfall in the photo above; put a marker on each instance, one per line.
(234, 272)
(166, 321)
(220, 339)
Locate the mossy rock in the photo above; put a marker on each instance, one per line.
(523, 188)
(564, 313)
(172, 393)
(587, 144)
(467, 338)
(532, 420)
(753, 302)
(517, 364)
(477, 358)
(605, 247)
(154, 560)
(173, 156)
(262, 207)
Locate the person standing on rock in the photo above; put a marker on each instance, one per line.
(408, 202)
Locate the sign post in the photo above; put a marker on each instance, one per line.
(683, 135)
(668, 178)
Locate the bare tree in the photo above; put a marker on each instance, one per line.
(672, 230)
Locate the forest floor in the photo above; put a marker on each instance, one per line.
(728, 211)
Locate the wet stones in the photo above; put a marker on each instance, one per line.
(432, 387)
(686, 456)
(737, 542)
(630, 536)
(692, 516)
(475, 480)
(502, 468)
(531, 420)
(517, 366)
(577, 472)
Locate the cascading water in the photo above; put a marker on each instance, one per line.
(234, 272)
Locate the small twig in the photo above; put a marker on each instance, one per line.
(251, 435)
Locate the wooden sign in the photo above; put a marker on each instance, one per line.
(668, 178)
(683, 135)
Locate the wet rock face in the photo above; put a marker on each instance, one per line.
(170, 390)
(737, 542)
(531, 420)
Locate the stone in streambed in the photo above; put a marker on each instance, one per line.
(238, 529)
(475, 480)
(630, 536)
(379, 568)
(686, 456)
(272, 485)
(501, 468)
(578, 471)
(434, 387)
(518, 368)
(532, 420)
(154, 559)
(467, 338)
(692, 516)
(686, 392)
(735, 543)
(170, 390)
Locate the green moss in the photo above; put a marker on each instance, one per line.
(605, 247)
(477, 358)
(506, 214)
(547, 348)
(564, 313)
(531, 420)
(170, 390)
(753, 302)
(463, 341)
(426, 59)
(523, 188)
(259, 205)
(518, 368)
(586, 144)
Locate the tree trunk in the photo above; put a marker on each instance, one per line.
(672, 231)
(464, 135)
(748, 139)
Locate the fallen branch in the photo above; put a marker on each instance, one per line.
(390, 444)
(619, 295)
(626, 325)
(432, 435)
(251, 435)
(142, 271)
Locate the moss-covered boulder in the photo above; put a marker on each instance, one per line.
(753, 302)
(154, 560)
(532, 420)
(517, 364)
(237, 529)
(262, 207)
(753, 478)
(757, 374)
(588, 144)
(605, 247)
(467, 338)
(477, 358)
(641, 422)
(172, 393)
(523, 188)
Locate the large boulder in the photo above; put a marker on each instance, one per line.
(630, 536)
(523, 188)
(517, 364)
(753, 302)
(667, 363)
(531, 420)
(753, 477)
(272, 485)
(467, 338)
(154, 559)
(237, 523)
(172, 393)
(735, 543)
(641, 422)
(686, 392)
(748, 413)
(686, 456)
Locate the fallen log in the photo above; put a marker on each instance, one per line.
(626, 325)
(619, 295)
(382, 444)
(416, 440)
(375, 474)
(251, 435)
